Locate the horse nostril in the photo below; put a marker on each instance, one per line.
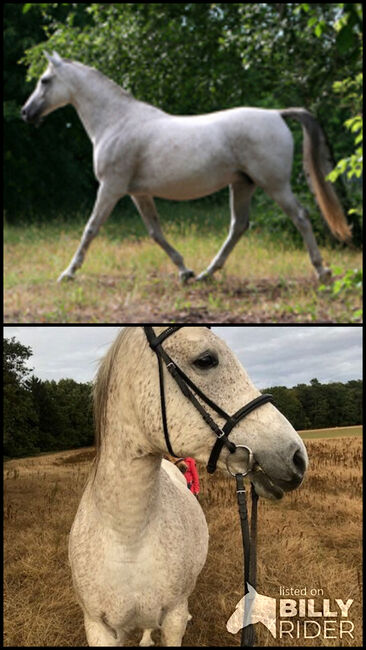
(23, 112)
(299, 462)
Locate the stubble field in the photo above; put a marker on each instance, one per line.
(311, 539)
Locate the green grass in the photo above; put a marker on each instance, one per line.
(126, 277)
(334, 432)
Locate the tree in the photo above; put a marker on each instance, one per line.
(317, 405)
(20, 417)
(287, 401)
(42, 415)
(185, 58)
(15, 356)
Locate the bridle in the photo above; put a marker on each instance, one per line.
(192, 392)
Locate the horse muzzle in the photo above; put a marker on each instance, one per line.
(31, 117)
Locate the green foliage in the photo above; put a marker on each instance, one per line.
(186, 58)
(352, 279)
(42, 415)
(318, 405)
(349, 282)
(15, 357)
(20, 418)
(352, 165)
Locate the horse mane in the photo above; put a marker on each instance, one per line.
(101, 390)
(100, 75)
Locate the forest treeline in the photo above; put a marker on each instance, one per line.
(186, 58)
(42, 416)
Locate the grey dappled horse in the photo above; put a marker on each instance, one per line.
(143, 151)
(139, 539)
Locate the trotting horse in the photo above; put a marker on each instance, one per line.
(142, 151)
(133, 563)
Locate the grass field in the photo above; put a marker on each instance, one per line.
(332, 432)
(312, 538)
(128, 278)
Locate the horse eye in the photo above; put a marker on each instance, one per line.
(45, 81)
(207, 360)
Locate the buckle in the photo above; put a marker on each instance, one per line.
(172, 368)
(221, 435)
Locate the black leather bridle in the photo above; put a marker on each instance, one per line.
(191, 392)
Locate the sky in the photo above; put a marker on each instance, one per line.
(272, 356)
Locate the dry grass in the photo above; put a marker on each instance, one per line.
(129, 280)
(310, 539)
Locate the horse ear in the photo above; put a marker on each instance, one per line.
(53, 58)
(57, 60)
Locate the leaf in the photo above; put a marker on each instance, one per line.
(345, 39)
(336, 270)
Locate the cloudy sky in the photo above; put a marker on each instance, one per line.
(272, 356)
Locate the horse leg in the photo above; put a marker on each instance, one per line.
(99, 633)
(174, 625)
(241, 192)
(146, 207)
(104, 204)
(290, 205)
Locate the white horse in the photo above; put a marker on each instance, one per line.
(139, 539)
(142, 151)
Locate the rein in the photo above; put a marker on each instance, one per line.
(191, 392)
(249, 539)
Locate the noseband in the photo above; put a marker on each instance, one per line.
(190, 391)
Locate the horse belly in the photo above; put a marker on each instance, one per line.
(181, 184)
(187, 188)
(185, 165)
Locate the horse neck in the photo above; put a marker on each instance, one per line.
(98, 101)
(125, 488)
(126, 492)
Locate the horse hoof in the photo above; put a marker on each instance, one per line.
(205, 275)
(66, 276)
(184, 276)
(325, 276)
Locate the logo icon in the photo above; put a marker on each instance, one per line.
(253, 608)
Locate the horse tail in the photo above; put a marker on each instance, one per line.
(317, 164)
